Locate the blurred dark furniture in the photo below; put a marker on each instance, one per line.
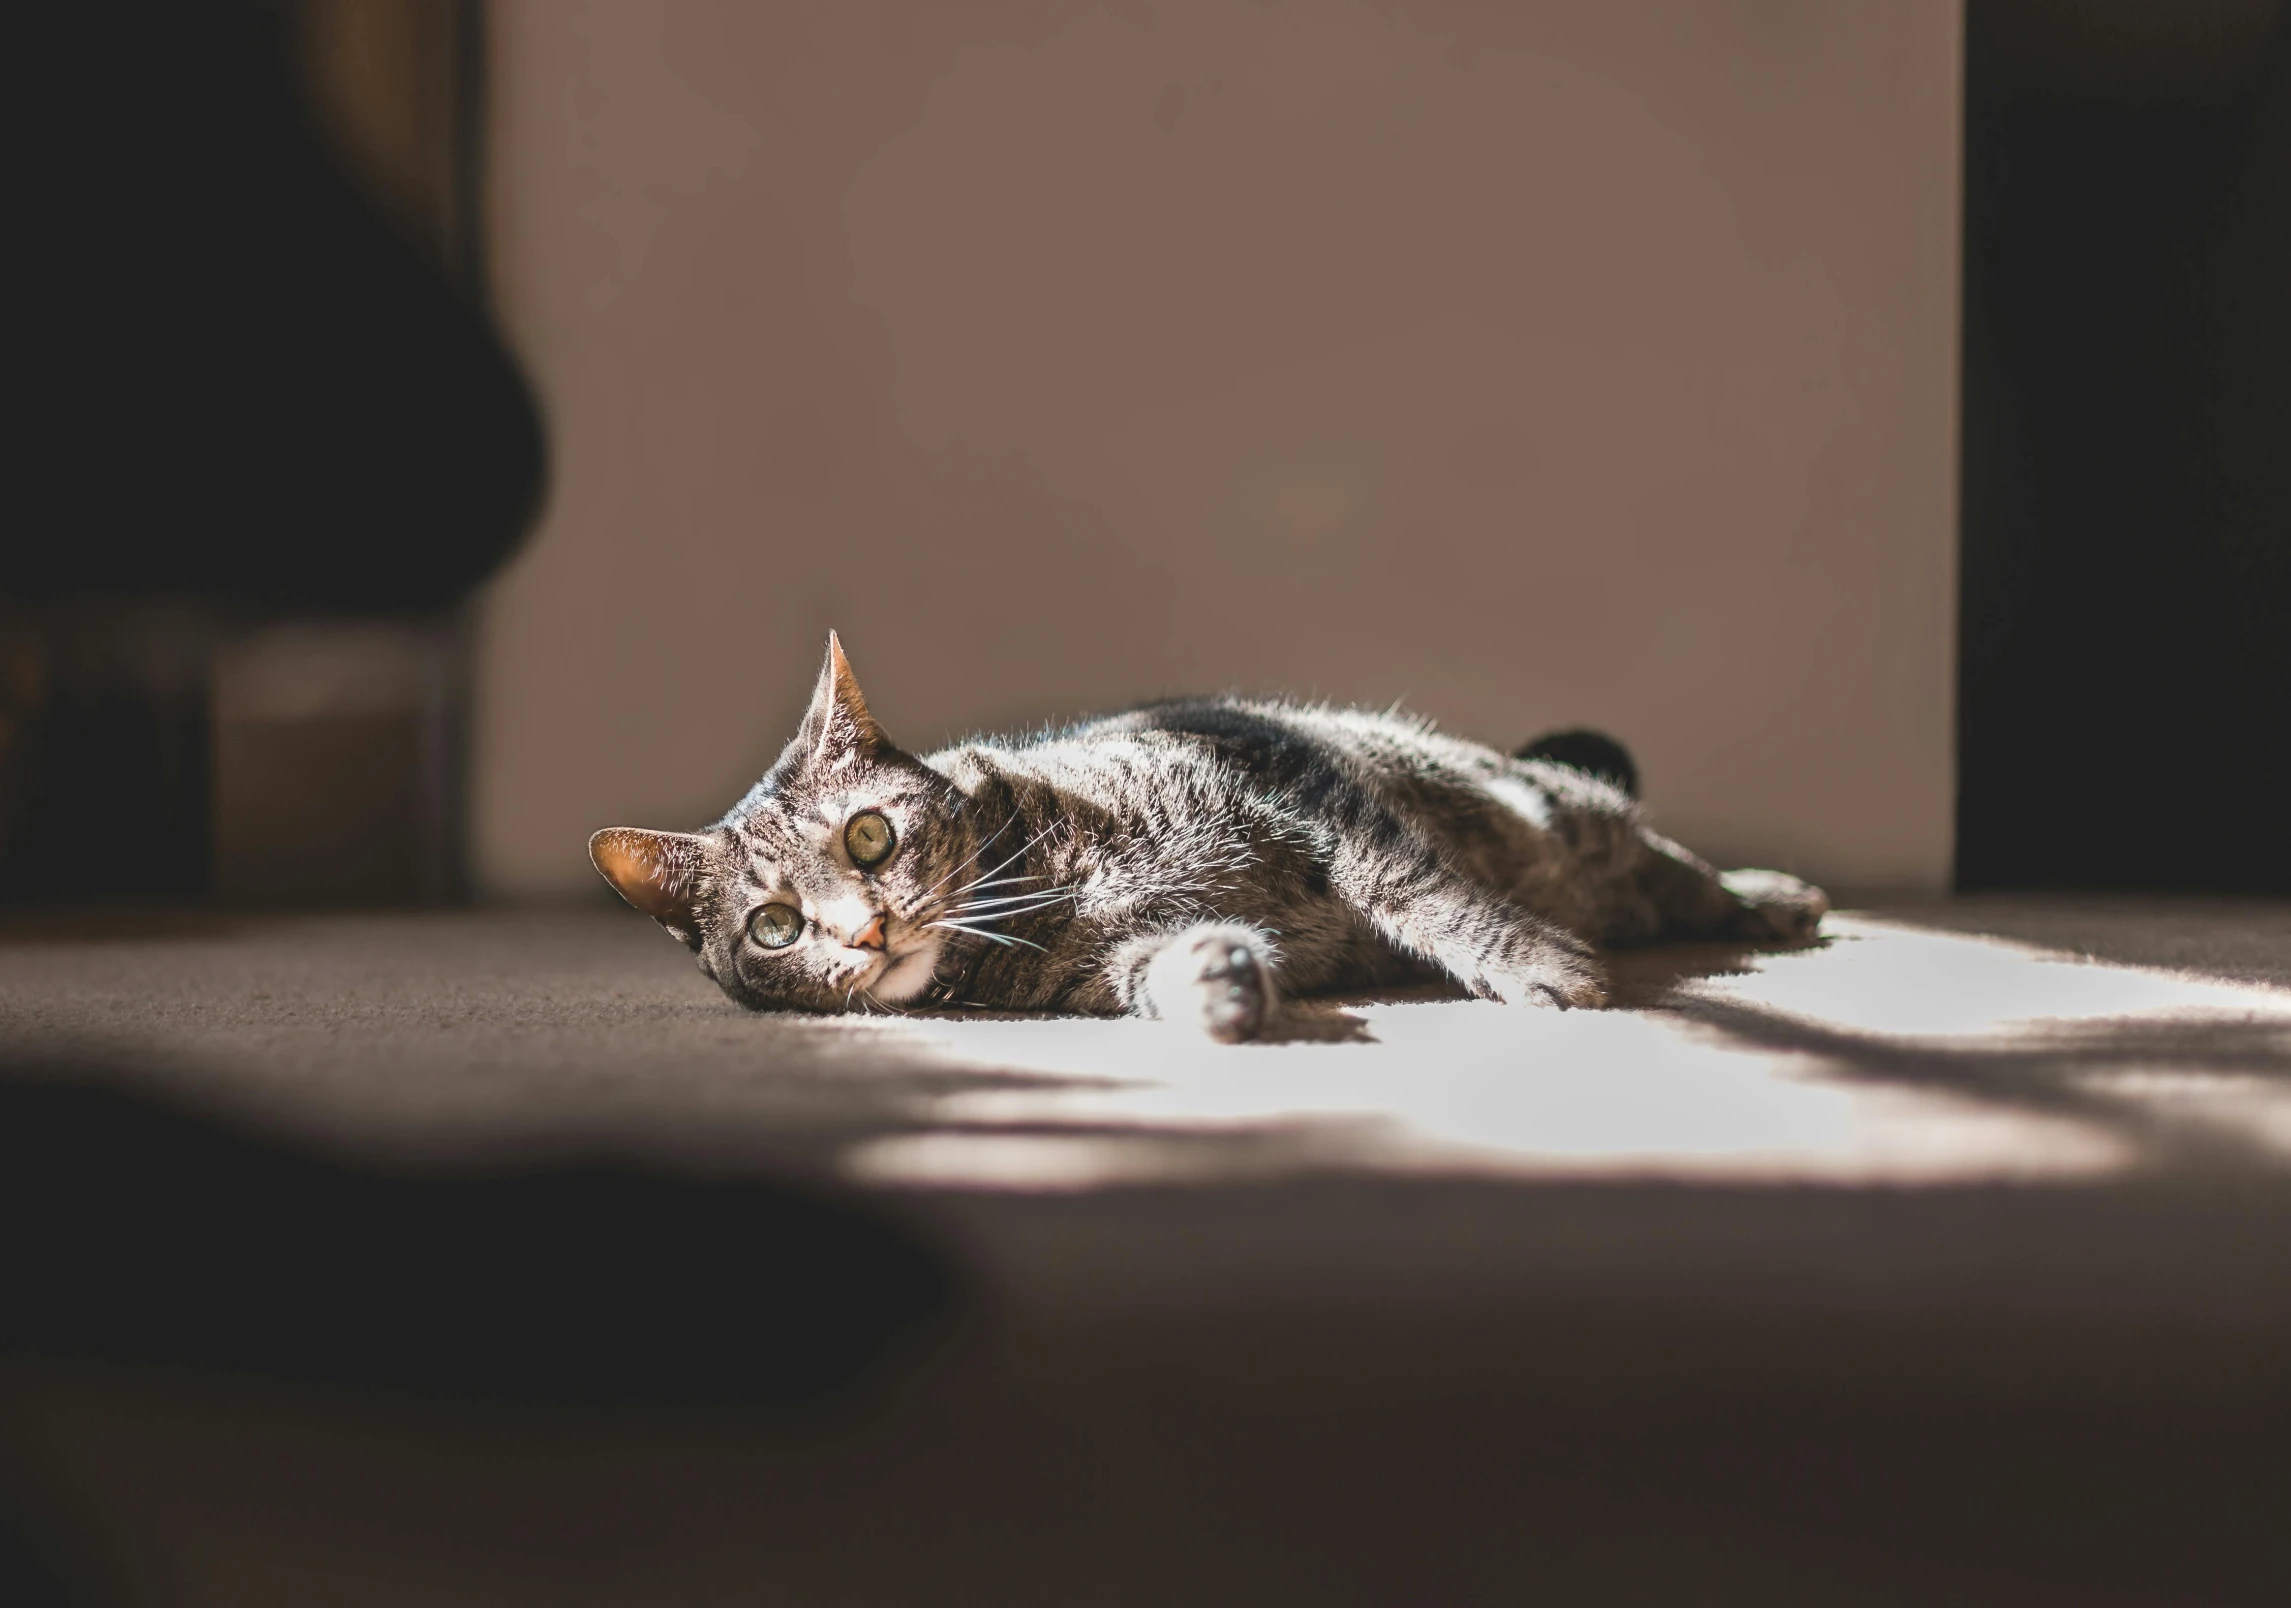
(246, 381)
(255, 381)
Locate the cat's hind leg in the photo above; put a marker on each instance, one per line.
(1214, 975)
(1697, 901)
(1489, 943)
(1776, 907)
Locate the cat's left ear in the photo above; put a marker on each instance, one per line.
(837, 724)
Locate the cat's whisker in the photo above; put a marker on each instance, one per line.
(1023, 850)
(962, 924)
(995, 916)
(987, 878)
(1040, 898)
(974, 854)
(1004, 882)
(990, 937)
(960, 895)
(998, 882)
(1003, 938)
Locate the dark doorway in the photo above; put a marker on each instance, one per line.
(2125, 679)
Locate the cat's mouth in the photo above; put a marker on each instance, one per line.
(905, 969)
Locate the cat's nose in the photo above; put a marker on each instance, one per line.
(871, 935)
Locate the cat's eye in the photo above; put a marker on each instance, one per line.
(776, 926)
(869, 838)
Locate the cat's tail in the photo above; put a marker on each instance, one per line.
(1592, 752)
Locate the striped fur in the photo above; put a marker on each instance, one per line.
(1193, 859)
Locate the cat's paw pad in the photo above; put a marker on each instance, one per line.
(1217, 978)
(1776, 908)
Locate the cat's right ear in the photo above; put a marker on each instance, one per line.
(837, 725)
(658, 872)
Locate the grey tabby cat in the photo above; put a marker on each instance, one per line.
(1190, 860)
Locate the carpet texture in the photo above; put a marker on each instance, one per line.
(1950, 1259)
(1988, 1039)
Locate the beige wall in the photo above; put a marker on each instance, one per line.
(1573, 360)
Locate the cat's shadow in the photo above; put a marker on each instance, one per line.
(1313, 1020)
(1642, 979)
(1638, 979)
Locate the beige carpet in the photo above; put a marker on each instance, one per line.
(1976, 1040)
(1949, 1261)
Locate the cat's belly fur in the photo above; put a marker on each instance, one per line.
(1238, 812)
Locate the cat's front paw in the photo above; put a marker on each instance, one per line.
(1776, 907)
(1553, 986)
(1217, 977)
(1535, 966)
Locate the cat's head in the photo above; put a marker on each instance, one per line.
(818, 890)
